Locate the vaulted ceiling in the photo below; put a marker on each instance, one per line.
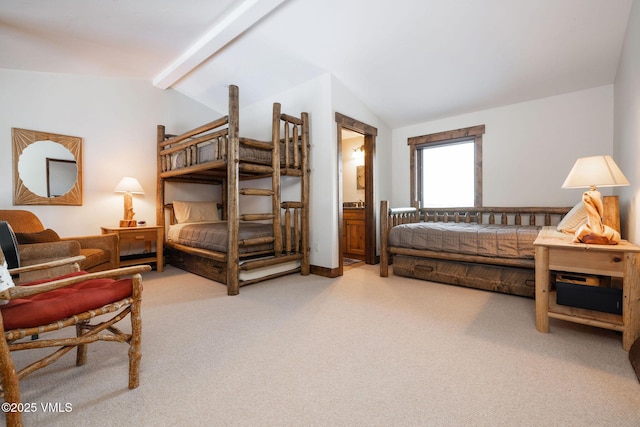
(408, 60)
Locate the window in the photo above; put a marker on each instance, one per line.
(451, 164)
(446, 168)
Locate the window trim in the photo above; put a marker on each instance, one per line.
(442, 138)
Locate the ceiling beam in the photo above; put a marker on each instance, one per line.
(237, 21)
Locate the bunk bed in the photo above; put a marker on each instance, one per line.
(215, 240)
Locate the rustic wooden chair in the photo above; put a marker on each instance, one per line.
(53, 304)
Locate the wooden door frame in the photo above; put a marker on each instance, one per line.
(370, 133)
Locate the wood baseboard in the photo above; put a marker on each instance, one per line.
(325, 272)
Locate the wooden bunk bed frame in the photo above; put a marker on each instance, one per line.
(289, 149)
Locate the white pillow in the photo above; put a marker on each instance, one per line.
(6, 281)
(576, 217)
(195, 211)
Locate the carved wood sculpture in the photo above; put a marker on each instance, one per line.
(128, 220)
(594, 231)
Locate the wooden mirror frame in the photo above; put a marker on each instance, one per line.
(21, 139)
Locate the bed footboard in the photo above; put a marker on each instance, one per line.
(389, 218)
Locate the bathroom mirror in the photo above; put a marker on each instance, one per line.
(47, 168)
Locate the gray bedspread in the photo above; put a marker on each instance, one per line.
(512, 241)
(213, 236)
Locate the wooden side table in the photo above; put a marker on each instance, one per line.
(146, 234)
(555, 251)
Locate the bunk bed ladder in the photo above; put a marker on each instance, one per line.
(275, 179)
(232, 214)
(274, 192)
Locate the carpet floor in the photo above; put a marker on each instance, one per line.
(358, 350)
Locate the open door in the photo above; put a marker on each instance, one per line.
(369, 134)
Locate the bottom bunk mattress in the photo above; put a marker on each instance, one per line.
(213, 235)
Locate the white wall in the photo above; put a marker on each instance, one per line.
(117, 120)
(627, 127)
(528, 148)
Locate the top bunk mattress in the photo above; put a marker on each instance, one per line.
(210, 151)
(490, 240)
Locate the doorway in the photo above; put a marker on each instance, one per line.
(350, 131)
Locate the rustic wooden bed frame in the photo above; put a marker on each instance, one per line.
(228, 169)
(512, 276)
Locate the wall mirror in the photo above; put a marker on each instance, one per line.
(360, 177)
(47, 168)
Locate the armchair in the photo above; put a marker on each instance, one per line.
(73, 300)
(39, 245)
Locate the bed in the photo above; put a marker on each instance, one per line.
(484, 247)
(212, 238)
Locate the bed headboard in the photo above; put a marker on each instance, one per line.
(480, 215)
(496, 215)
(172, 214)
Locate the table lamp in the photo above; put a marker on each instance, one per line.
(128, 185)
(592, 172)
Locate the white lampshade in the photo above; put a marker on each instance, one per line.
(129, 185)
(595, 171)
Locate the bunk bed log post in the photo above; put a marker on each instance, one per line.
(275, 179)
(160, 133)
(224, 143)
(296, 230)
(304, 184)
(296, 152)
(287, 139)
(232, 194)
(223, 197)
(287, 229)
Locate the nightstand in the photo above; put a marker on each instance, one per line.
(147, 234)
(556, 252)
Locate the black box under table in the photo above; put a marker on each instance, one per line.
(608, 300)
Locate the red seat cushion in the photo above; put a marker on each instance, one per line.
(59, 304)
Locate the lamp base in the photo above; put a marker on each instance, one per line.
(128, 223)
